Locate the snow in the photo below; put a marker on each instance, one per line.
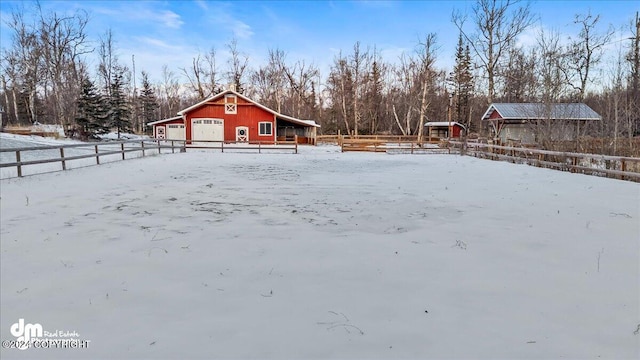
(322, 255)
(20, 141)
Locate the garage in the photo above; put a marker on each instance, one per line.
(176, 132)
(207, 130)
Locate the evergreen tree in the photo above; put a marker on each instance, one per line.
(462, 80)
(148, 100)
(119, 110)
(90, 116)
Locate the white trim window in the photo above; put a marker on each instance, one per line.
(265, 128)
(230, 104)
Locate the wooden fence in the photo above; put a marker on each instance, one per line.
(338, 139)
(620, 167)
(259, 146)
(66, 154)
(397, 144)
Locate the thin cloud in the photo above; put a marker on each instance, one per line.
(157, 43)
(203, 5)
(170, 19)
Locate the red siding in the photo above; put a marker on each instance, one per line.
(495, 115)
(248, 115)
(164, 124)
(456, 131)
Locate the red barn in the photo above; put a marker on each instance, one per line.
(233, 117)
(441, 129)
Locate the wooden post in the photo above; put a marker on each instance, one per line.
(64, 165)
(142, 144)
(159, 148)
(412, 147)
(122, 149)
(222, 146)
(173, 149)
(259, 147)
(97, 155)
(19, 163)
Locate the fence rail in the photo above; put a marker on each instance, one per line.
(260, 146)
(401, 144)
(65, 154)
(620, 167)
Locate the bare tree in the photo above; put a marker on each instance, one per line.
(269, 81)
(496, 23)
(428, 74)
(551, 67)
(196, 76)
(237, 66)
(171, 92)
(633, 59)
(300, 80)
(585, 52)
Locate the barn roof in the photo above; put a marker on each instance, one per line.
(442, 123)
(165, 120)
(539, 111)
(309, 123)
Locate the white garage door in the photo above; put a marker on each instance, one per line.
(175, 132)
(207, 129)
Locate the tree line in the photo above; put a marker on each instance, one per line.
(45, 77)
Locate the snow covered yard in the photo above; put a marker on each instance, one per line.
(323, 255)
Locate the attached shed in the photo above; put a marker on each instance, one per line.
(233, 117)
(442, 129)
(529, 123)
(171, 128)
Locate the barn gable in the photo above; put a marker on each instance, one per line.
(231, 116)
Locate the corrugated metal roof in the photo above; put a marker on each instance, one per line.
(442, 123)
(164, 120)
(537, 111)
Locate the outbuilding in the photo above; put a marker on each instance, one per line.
(531, 123)
(442, 129)
(232, 117)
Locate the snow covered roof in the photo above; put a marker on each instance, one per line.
(278, 115)
(442, 123)
(165, 120)
(539, 111)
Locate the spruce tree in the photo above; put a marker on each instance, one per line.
(119, 111)
(462, 80)
(90, 116)
(148, 101)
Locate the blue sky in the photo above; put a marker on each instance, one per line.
(173, 32)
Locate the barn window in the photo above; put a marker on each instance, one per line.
(230, 108)
(266, 129)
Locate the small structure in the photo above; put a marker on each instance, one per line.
(231, 116)
(531, 123)
(441, 129)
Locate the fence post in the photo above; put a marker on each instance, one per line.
(222, 146)
(159, 148)
(412, 147)
(97, 155)
(122, 149)
(64, 165)
(19, 163)
(173, 150)
(142, 143)
(259, 149)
